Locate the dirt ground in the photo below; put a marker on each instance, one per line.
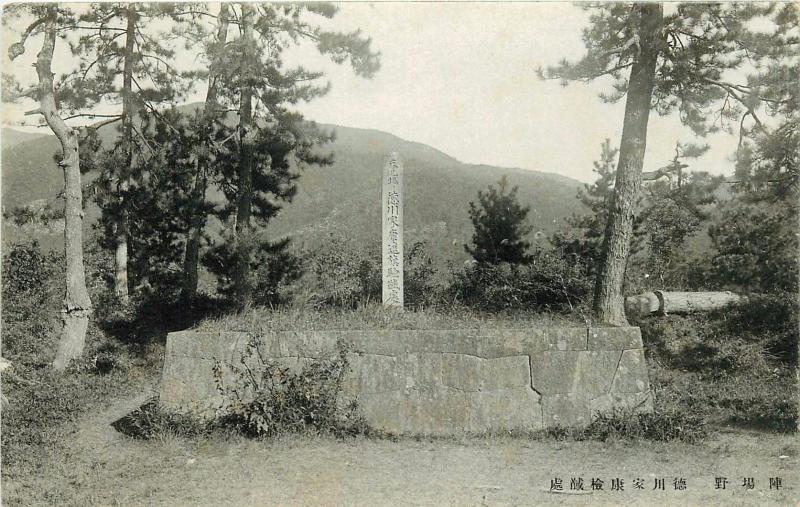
(103, 467)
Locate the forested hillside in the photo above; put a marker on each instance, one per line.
(343, 197)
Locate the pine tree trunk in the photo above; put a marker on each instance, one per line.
(192, 254)
(608, 301)
(77, 306)
(198, 218)
(244, 238)
(121, 218)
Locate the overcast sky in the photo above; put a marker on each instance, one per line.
(461, 77)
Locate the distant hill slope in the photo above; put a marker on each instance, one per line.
(346, 195)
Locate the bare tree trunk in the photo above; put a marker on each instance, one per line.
(242, 286)
(77, 306)
(608, 302)
(121, 218)
(198, 218)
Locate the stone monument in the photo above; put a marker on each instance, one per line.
(392, 225)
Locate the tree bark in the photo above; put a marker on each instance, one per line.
(198, 218)
(242, 285)
(608, 302)
(77, 306)
(121, 218)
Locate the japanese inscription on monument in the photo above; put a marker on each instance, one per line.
(392, 214)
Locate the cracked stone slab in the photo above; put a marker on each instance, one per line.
(504, 410)
(438, 381)
(515, 342)
(631, 374)
(574, 372)
(566, 410)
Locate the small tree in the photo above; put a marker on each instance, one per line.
(499, 222)
(582, 240)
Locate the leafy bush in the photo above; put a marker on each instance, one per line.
(32, 292)
(347, 273)
(548, 282)
(755, 249)
(265, 398)
(751, 337)
(343, 273)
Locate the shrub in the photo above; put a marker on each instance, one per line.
(343, 273)
(548, 282)
(265, 398)
(347, 273)
(755, 248)
(499, 226)
(32, 292)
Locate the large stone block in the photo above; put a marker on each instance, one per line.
(221, 346)
(436, 381)
(614, 338)
(584, 372)
(505, 373)
(504, 410)
(313, 344)
(566, 410)
(515, 342)
(188, 385)
(432, 412)
(373, 374)
(422, 371)
(461, 371)
(458, 341)
(631, 374)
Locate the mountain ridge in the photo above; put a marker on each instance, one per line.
(344, 196)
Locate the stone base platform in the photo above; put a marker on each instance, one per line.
(439, 382)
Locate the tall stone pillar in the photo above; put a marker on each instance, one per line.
(392, 215)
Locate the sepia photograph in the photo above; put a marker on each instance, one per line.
(429, 253)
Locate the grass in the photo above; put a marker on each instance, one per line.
(102, 467)
(375, 316)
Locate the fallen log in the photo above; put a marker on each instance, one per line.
(664, 303)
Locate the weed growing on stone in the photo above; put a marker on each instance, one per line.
(264, 398)
(628, 424)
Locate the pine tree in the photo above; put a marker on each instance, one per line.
(122, 59)
(211, 123)
(676, 62)
(49, 21)
(583, 239)
(500, 228)
(258, 174)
